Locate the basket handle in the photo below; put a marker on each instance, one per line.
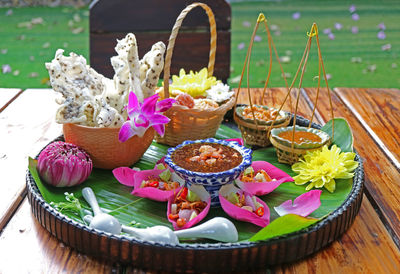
(246, 67)
(174, 34)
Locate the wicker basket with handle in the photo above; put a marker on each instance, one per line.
(186, 123)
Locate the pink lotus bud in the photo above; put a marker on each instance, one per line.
(62, 164)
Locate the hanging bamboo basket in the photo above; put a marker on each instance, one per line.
(256, 131)
(289, 151)
(187, 123)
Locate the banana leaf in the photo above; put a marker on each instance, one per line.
(115, 198)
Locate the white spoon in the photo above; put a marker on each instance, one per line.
(159, 233)
(101, 221)
(218, 228)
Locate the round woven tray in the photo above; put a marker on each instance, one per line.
(212, 257)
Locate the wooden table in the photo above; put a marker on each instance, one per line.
(371, 245)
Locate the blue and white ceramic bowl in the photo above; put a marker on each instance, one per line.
(211, 181)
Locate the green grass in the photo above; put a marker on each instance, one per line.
(54, 30)
(337, 53)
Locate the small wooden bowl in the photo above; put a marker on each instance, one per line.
(103, 146)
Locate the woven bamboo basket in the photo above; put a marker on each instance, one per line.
(257, 135)
(257, 132)
(191, 124)
(103, 146)
(289, 154)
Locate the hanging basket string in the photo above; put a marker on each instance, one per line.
(246, 67)
(302, 66)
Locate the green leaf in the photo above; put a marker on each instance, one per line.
(283, 225)
(343, 137)
(115, 198)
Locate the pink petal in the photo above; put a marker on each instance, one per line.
(160, 129)
(381, 35)
(355, 17)
(296, 15)
(125, 132)
(338, 26)
(141, 121)
(303, 205)
(327, 31)
(331, 36)
(238, 140)
(257, 38)
(240, 213)
(204, 196)
(133, 103)
(352, 8)
(157, 119)
(246, 24)
(149, 105)
(240, 46)
(354, 29)
(164, 105)
(125, 175)
(382, 26)
(152, 193)
(256, 188)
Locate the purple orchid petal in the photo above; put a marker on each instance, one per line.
(141, 121)
(246, 24)
(352, 8)
(263, 188)
(303, 205)
(149, 105)
(327, 31)
(355, 17)
(160, 129)
(133, 104)
(240, 46)
(125, 132)
(381, 35)
(157, 119)
(382, 26)
(125, 175)
(338, 26)
(354, 29)
(257, 38)
(296, 15)
(331, 36)
(165, 104)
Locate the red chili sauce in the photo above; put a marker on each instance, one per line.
(300, 136)
(206, 157)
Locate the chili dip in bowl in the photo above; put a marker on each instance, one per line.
(209, 162)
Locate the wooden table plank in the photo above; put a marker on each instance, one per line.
(366, 247)
(27, 125)
(377, 109)
(381, 176)
(7, 95)
(26, 247)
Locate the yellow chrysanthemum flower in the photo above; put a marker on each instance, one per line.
(193, 83)
(322, 167)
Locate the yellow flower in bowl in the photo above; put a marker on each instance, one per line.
(322, 167)
(193, 83)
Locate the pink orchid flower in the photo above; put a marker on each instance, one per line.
(144, 115)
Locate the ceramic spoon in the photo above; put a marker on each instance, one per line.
(101, 221)
(159, 234)
(218, 228)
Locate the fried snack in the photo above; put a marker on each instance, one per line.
(205, 104)
(89, 98)
(151, 66)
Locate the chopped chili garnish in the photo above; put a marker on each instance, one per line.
(173, 216)
(260, 211)
(184, 193)
(181, 222)
(154, 184)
